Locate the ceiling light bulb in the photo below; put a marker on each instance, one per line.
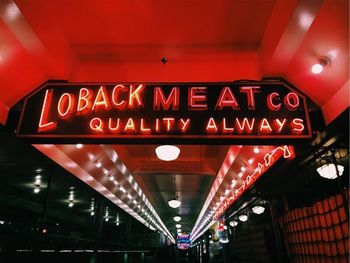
(178, 231)
(71, 204)
(177, 218)
(178, 226)
(243, 169)
(79, 146)
(227, 191)
(243, 218)
(317, 68)
(258, 209)
(167, 152)
(36, 190)
(174, 203)
(250, 161)
(234, 183)
(92, 213)
(233, 223)
(256, 150)
(107, 219)
(98, 164)
(329, 171)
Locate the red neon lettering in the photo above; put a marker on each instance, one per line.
(265, 126)
(227, 99)
(245, 125)
(44, 125)
(225, 128)
(101, 99)
(134, 95)
(250, 91)
(157, 125)
(143, 129)
(114, 127)
(297, 125)
(65, 106)
(130, 126)
(184, 124)
(122, 104)
(96, 124)
(195, 96)
(84, 101)
(291, 100)
(280, 124)
(169, 122)
(211, 126)
(288, 152)
(172, 101)
(270, 101)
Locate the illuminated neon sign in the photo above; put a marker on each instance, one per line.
(180, 111)
(183, 241)
(285, 151)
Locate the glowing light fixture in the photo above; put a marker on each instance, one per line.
(329, 170)
(37, 184)
(79, 146)
(258, 209)
(167, 152)
(178, 226)
(250, 161)
(98, 164)
(177, 218)
(174, 203)
(243, 218)
(71, 197)
(233, 223)
(243, 169)
(178, 230)
(256, 150)
(234, 183)
(318, 67)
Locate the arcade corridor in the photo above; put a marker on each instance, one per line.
(188, 131)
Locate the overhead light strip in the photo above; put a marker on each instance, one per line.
(110, 152)
(228, 161)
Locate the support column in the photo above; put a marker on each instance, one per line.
(46, 200)
(97, 228)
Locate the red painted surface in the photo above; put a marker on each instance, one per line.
(203, 41)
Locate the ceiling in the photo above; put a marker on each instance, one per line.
(112, 41)
(203, 41)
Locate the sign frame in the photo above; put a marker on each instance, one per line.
(222, 139)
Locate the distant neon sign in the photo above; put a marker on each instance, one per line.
(239, 110)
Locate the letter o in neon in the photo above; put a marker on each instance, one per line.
(291, 101)
(65, 105)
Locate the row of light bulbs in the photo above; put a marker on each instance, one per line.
(258, 209)
(256, 150)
